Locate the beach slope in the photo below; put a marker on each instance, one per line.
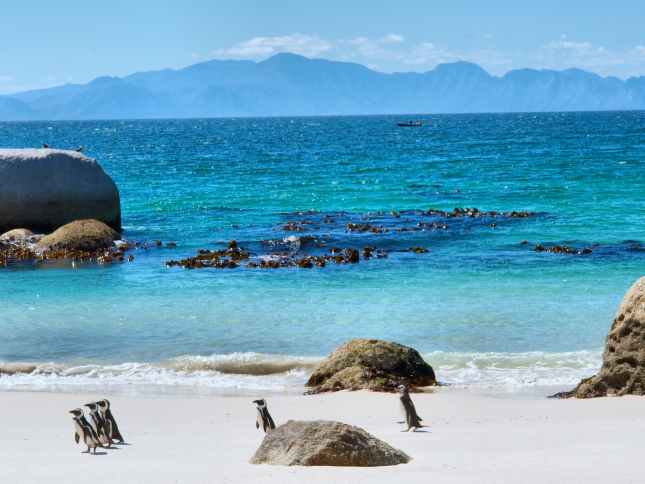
(470, 438)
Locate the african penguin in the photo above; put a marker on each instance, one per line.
(83, 430)
(264, 417)
(99, 424)
(112, 427)
(412, 419)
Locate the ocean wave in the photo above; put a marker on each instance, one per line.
(253, 372)
(243, 363)
(509, 371)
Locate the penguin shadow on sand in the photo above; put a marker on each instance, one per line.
(103, 430)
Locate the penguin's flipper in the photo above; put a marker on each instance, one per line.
(77, 437)
(270, 421)
(116, 434)
(257, 424)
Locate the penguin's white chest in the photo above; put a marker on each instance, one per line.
(81, 433)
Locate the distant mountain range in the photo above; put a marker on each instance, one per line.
(290, 85)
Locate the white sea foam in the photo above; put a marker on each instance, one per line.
(255, 372)
(514, 371)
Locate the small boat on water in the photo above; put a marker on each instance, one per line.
(409, 124)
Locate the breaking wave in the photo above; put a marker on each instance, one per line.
(242, 373)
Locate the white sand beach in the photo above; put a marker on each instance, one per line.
(470, 438)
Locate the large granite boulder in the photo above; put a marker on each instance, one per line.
(623, 366)
(87, 235)
(373, 365)
(41, 189)
(324, 443)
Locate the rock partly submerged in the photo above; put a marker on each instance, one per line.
(41, 189)
(372, 365)
(17, 236)
(87, 235)
(325, 443)
(623, 366)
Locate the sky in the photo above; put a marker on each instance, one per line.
(47, 43)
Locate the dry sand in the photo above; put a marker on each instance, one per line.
(471, 438)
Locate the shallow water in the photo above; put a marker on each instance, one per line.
(484, 309)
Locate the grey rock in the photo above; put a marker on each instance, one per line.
(41, 189)
(623, 366)
(325, 443)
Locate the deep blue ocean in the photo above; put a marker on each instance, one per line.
(485, 309)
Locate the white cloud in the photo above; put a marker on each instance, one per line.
(259, 47)
(392, 39)
(393, 52)
(565, 53)
(427, 53)
(389, 52)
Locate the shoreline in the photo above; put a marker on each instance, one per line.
(471, 438)
(521, 374)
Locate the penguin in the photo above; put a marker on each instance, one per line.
(83, 430)
(99, 424)
(412, 419)
(79, 149)
(110, 422)
(264, 417)
(45, 145)
(84, 422)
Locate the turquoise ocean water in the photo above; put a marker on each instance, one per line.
(484, 309)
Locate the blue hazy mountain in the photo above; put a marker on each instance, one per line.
(288, 84)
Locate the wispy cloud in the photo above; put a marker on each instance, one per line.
(388, 52)
(394, 52)
(303, 44)
(565, 53)
(393, 39)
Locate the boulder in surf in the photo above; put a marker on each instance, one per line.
(370, 364)
(42, 189)
(88, 235)
(623, 365)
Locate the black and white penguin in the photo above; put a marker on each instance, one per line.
(112, 428)
(264, 417)
(79, 149)
(84, 431)
(412, 419)
(99, 424)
